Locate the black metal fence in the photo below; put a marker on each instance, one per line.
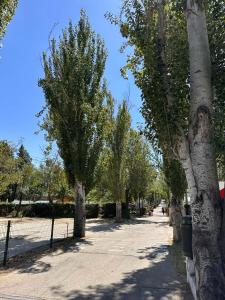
(18, 237)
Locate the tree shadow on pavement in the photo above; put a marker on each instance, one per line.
(32, 261)
(106, 227)
(158, 281)
(109, 225)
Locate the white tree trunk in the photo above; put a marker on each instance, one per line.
(118, 211)
(80, 216)
(197, 156)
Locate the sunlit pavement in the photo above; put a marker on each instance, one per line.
(114, 261)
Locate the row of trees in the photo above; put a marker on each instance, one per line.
(22, 180)
(79, 116)
(178, 63)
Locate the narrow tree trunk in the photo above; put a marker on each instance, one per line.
(20, 204)
(200, 162)
(79, 216)
(49, 196)
(139, 205)
(118, 211)
(127, 204)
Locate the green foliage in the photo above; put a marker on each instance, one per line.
(159, 63)
(24, 157)
(108, 210)
(140, 171)
(75, 99)
(54, 179)
(159, 188)
(43, 210)
(8, 167)
(165, 97)
(216, 30)
(175, 178)
(7, 10)
(118, 145)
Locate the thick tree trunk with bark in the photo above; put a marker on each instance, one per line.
(175, 219)
(80, 215)
(197, 156)
(118, 211)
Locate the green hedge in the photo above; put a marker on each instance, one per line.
(108, 210)
(45, 210)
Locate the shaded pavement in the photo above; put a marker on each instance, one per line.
(129, 261)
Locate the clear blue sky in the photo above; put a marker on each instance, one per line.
(20, 63)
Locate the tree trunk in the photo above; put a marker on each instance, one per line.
(118, 211)
(175, 219)
(127, 194)
(200, 165)
(20, 204)
(139, 205)
(49, 197)
(79, 216)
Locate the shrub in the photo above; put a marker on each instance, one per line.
(46, 210)
(108, 210)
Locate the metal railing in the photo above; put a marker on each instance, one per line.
(18, 237)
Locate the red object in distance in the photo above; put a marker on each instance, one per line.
(222, 194)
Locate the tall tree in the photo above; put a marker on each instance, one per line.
(24, 166)
(24, 156)
(7, 10)
(171, 93)
(118, 145)
(138, 166)
(176, 181)
(76, 112)
(201, 166)
(8, 168)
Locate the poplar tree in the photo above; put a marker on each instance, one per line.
(75, 104)
(182, 101)
(118, 144)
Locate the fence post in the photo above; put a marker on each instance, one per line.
(52, 230)
(6, 243)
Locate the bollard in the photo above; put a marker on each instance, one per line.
(186, 231)
(52, 230)
(6, 243)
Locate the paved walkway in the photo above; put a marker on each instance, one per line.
(115, 261)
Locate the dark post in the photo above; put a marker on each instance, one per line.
(6, 243)
(52, 230)
(186, 231)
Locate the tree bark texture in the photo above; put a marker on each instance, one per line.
(80, 215)
(197, 157)
(175, 219)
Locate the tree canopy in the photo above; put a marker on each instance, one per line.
(7, 10)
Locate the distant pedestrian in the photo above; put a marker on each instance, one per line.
(163, 211)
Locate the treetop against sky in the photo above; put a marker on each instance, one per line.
(20, 64)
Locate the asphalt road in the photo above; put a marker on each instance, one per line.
(128, 261)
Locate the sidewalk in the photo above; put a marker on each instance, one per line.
(115, 261)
